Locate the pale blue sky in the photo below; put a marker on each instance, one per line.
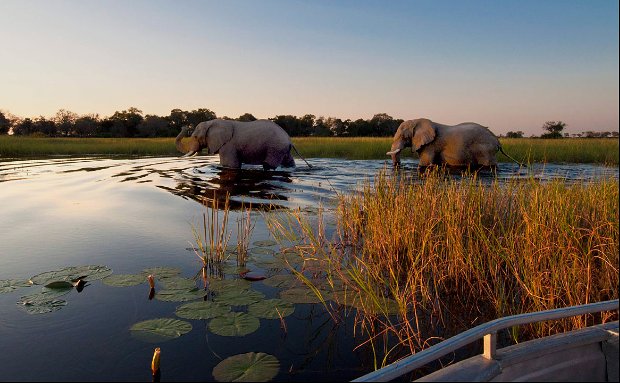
(510, 65)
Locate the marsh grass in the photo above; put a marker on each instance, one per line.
(527, 150)
(245, 226)
(212, 240)
(445, 255)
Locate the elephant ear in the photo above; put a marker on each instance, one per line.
(219, 134)
(424, 133)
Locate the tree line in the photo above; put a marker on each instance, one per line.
(133, 123)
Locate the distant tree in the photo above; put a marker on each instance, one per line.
(23, 127)
(65, 122)
(197, 116)
(320, 128)
(554, 129)
(296, 126)
(246, 117)
(615, 134)
(177, 119)
(154, 126)
(336, 126)
(86, 126)
(125, 123)
(5, 124)
(517, 134)
(359, 128)
(44, 127)
(383, 125)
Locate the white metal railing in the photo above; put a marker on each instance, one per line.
(488, 331)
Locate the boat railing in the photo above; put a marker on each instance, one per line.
(487, 331)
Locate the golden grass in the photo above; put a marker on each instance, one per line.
(459, 253)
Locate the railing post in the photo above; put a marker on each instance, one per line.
(490, 345)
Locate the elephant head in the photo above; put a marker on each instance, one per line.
(208, 134)
(411, 133)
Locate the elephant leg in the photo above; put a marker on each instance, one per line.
(229, 158)
(426, 158)
(288, 161)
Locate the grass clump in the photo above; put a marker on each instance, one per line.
(450, 254)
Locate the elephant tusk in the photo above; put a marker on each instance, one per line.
(393, 152)
(190, 154)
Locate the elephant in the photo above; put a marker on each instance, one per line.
(462, 145)
(260, 142)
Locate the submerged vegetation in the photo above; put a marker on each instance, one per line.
(445, 255)
(574, 150)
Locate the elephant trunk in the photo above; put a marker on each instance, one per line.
(397, 147)
(191, 148)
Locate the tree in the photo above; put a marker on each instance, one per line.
(246, 117)
(554, 128)
(45, 127)
(86, 126)
(5, 124)
(517, 134)
(197, 116)
(65, 122)
(125, 123)
(153, 126)
(23, 127)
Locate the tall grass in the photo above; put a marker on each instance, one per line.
(451, 254)
(602, 151)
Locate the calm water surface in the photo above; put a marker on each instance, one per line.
(131, 214)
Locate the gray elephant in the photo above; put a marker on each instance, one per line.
(466, 144)
(260, 142)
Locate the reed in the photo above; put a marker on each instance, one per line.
(245, 226)
(451, 254)
(212, 242)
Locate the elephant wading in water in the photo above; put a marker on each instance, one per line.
(260, 142)
(462, 145)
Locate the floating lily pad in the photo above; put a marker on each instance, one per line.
(179, 295)
(202, 310)
(124, 280)
(59, 285)
(282, 281)
(239, 297)
(262, 251)
(178, 283)
(229, 284)
(299, 295)
(72, 273)
(234, 324)
(265, 243)
(271, 309)
(160, 330)
(252, 276)
(44, 302)
(162, 272)
(8, 285)
(250, 367)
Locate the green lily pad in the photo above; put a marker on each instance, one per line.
(239, 297)
(43, 302)
(124, 280)
(234, 324)
(299, 295)
(178, 283)
(250, 367)
(284, 281)
(229, 284)
(162, 272)
(271, 309)
(68, 274)
(179, 295)
(202, 310)
(59, 285)
(265, 243)
(8, 285)
(160, 330)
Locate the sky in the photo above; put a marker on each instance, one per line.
(506, 64)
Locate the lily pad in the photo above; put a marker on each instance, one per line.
(162, 272)
(271, 309)
(179, 295)
(124, 280)
(59, 285)
(282, 281)
(43, 302)
(68, 274)
(229, 284)
(234, 324)
(299, 295)
(252, 276)
(239, 297)
(8, 285)
(160, 330)
(265, 243)
(178, 283)
(250, 367)
(202, 310)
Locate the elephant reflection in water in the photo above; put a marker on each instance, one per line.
(255, 184)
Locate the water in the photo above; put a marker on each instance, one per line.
(130, 214)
